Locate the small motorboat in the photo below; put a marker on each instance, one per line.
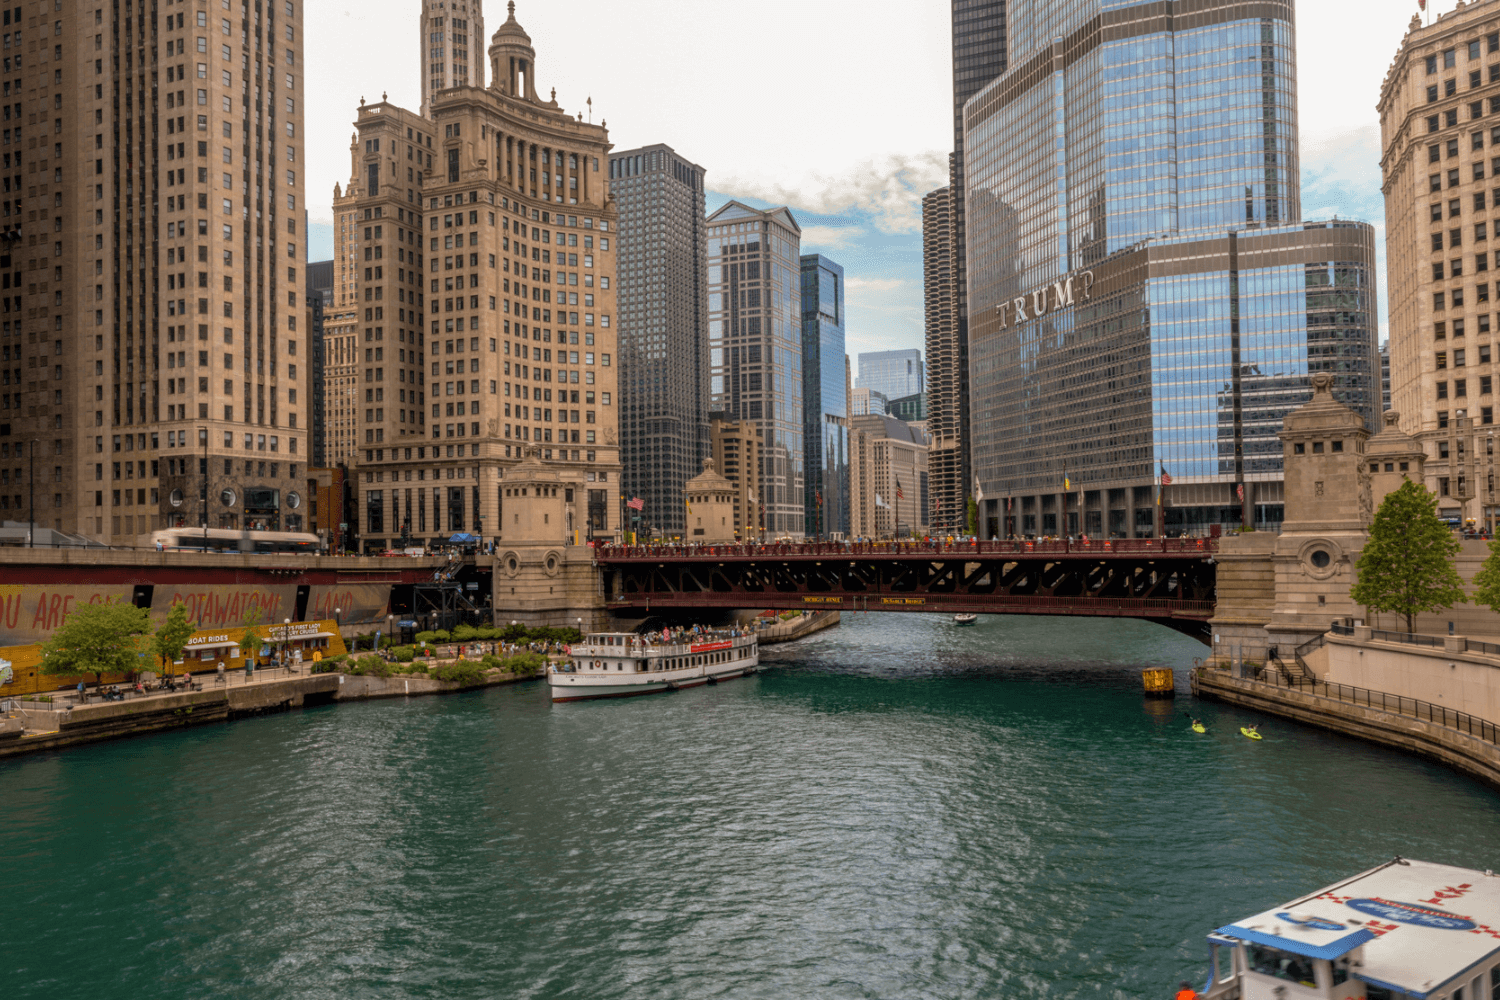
(965, 619)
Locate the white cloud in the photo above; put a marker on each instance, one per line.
(829, 237)
(888, 190)
(876, 284)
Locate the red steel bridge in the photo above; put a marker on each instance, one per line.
(1165, 580)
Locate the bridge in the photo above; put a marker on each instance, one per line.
(1165, 580)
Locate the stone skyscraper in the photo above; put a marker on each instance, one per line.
(154, 310)
(663, 328)
(480, 241)
(1440, 126)
(755, 346)
(452, 44)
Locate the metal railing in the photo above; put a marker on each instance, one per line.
(1409, 638)
(1338, 628)
(1108, 546)
(1487, 648)
(1412, 708)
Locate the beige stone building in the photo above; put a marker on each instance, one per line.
(1440, 131)
(710, 503)
(452, 46)
(153, 178)
(736, 448)
(479, 250)
(888, 478)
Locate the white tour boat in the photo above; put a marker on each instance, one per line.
(620, 664)
(1407, 929)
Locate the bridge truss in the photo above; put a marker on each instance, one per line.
(1170, 581)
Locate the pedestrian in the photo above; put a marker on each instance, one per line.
(1186, 992)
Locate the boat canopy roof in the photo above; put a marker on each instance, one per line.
(1422, 924)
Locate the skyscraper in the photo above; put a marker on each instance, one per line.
(452, 47)
(1440, 129)
(319, 295)
(892, 373)
(825, 408)
(484, 302)
(947, 372)
(980, 53)
(663, 328)
(1169, 305)
(154, 302)
(755, 345)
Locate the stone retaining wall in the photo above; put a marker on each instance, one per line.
(1460, 751)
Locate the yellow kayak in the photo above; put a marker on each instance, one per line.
(1198, 728)
(1250, 733)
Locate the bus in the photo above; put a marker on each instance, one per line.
(232, 540)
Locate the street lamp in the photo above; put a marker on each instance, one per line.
(286, 634)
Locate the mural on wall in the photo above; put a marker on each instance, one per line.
(29, 614)
(224, 605)
(354, 602)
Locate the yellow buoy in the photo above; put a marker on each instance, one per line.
(1159, 683)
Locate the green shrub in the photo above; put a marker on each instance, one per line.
(522, 664)
(404, 654)
(331, 664)
(427, 636)
(370, 666)
(465, 633)
(465, 672)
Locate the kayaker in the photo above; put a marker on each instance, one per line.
(1186, 992)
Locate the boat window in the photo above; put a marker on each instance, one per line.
(1282, 964)
(1373, 992)
(1224, 961)
(1340, 972)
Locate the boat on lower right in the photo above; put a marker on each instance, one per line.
(965, 619)
(1405, 929)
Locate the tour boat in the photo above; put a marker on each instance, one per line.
(1407, 929)
(621, 664)
(965, 619)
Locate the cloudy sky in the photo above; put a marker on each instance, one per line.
(838, 108)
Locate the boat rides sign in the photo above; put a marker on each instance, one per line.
(1411, 913)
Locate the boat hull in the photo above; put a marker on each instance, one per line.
(589, 685)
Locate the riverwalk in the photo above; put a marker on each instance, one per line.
(30, 726)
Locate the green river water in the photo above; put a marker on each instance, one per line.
(894, 808)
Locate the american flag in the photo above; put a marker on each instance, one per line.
(1239, 491)
(1166, 480)
(899, 494)
(636, 503)
(819, 495)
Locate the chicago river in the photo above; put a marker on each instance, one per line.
(892, 808)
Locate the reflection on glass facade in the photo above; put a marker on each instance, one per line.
(1142, 296)
(755, 346)
(825, 410)
(893, 374)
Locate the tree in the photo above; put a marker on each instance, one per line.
(1487, 580)
(169, 640)
(1407, 565)
(250, 642)
(98, 639)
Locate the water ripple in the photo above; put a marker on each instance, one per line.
(895, 808)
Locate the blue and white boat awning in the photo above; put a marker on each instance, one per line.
(1421, 925)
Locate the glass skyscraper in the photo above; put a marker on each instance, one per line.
(1142, 295)
(825, 408)
(893, 374)
(755, 347)
(663, 329)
